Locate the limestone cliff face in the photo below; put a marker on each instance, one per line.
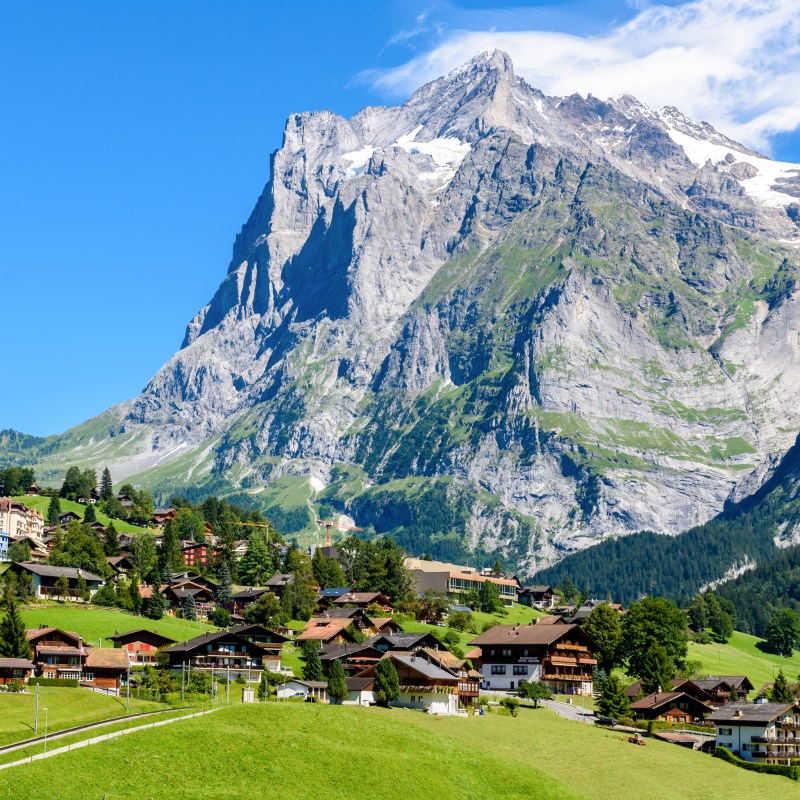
(575, 318)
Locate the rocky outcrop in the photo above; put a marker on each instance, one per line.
(577, 316)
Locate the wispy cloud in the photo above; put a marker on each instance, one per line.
(734, 63)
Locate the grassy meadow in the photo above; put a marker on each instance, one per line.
(94, 623)
(740, 656)
(296, 751)
(66, 708)
(41, 504)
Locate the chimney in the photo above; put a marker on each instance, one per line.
(738, 713)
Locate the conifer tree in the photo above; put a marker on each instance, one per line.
(781, 692)
(53, 509)
(111, 540)
(189, 608)
(657, 672)
(90, 515)
(106, 485)
(225, 585)
(256, 564)
(337, 683)
(387, 684)
(155, 606)
(13, 641)
(613, 702)
(312, 669)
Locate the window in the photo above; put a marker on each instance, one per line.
(88, 677)
(73, 661)
(520, 669)
(506, 652)
(724, 731)
(498, 669)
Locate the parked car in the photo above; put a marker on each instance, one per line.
(612, 723)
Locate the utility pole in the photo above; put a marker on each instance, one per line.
(128, 686)
(228, 686)
(183, 672)
(36, 717)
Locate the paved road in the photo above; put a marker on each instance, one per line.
(569, 711)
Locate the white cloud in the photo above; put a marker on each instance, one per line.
(733, 63)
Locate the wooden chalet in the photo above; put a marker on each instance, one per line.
(44, 579)
(196, 554)
(122, 565)
(245, 597)
(537, 596)
(161, 515)
(105, 668)
(268, 640)
(721, 687)
(671, 707)
(57, 653)
(33, 489)
(222, 650)
(15, 669)
(176, 594)
(423, 684)
(327, 631)
(560, 655)
(65, 517)
(409, 642)
(354, 658)
(278, 582)
(364, 600)
(141, 645)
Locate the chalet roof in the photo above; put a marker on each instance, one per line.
(46, 571)
(15, 663)
(536, 589)
(280, 579)
(551, 619)
(56, 650)
(713, 681)
(205, 639)
(333, 591)
(360, 597)
(323, 629)
(658, 699)
(380, 622)
(524, 634)
(402, 640)
(107, 657)
(255, 629)
(311, 684)
(476, 652)
(359, 684)
(423, 667)
(36, 633)
(339, 613)
(333, 651)
(444, 657)
(246, 594)
(132, 636)
(744, 713)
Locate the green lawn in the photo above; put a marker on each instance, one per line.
(41, 504)
(294, 751)
(66, 708)
(516, 614)
(95, 622)
(741, 657)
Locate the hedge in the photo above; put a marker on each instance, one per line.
(769, 769)
(70, 683)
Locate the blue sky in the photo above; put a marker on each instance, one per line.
(136, 138)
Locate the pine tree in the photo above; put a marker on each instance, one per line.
(225, 585)
(657, 671)
(387, 684)
(13, 641)
(781, 692)
(169, 554)
(81, 588)
(155, 606)
(134, 593)
(189, 608)
(312, 669)
(111, 541)
(613, 702)
(90, 515)
(53, 510)
(256, 564)
(106, 485)
(337, 683)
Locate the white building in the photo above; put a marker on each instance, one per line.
(765, 733)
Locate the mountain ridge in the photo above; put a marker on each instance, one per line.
(552, 314)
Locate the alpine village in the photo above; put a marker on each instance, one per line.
(477, 477)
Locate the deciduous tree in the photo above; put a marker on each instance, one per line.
(783, 632)
(604, 628)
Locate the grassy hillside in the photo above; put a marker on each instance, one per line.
(740, 656)
(41, 503)
(66, 708)
(94, 623)
(385, 754)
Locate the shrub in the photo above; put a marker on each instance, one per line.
(511, 704)
(792, 772)
(67, 683)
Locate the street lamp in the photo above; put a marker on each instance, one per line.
(45, 730)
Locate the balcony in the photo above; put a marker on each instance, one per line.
(788, 726)
(560, 676)
(468, 688)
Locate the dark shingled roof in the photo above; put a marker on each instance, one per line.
(746, 713)
(15, 663)
(46, 571)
